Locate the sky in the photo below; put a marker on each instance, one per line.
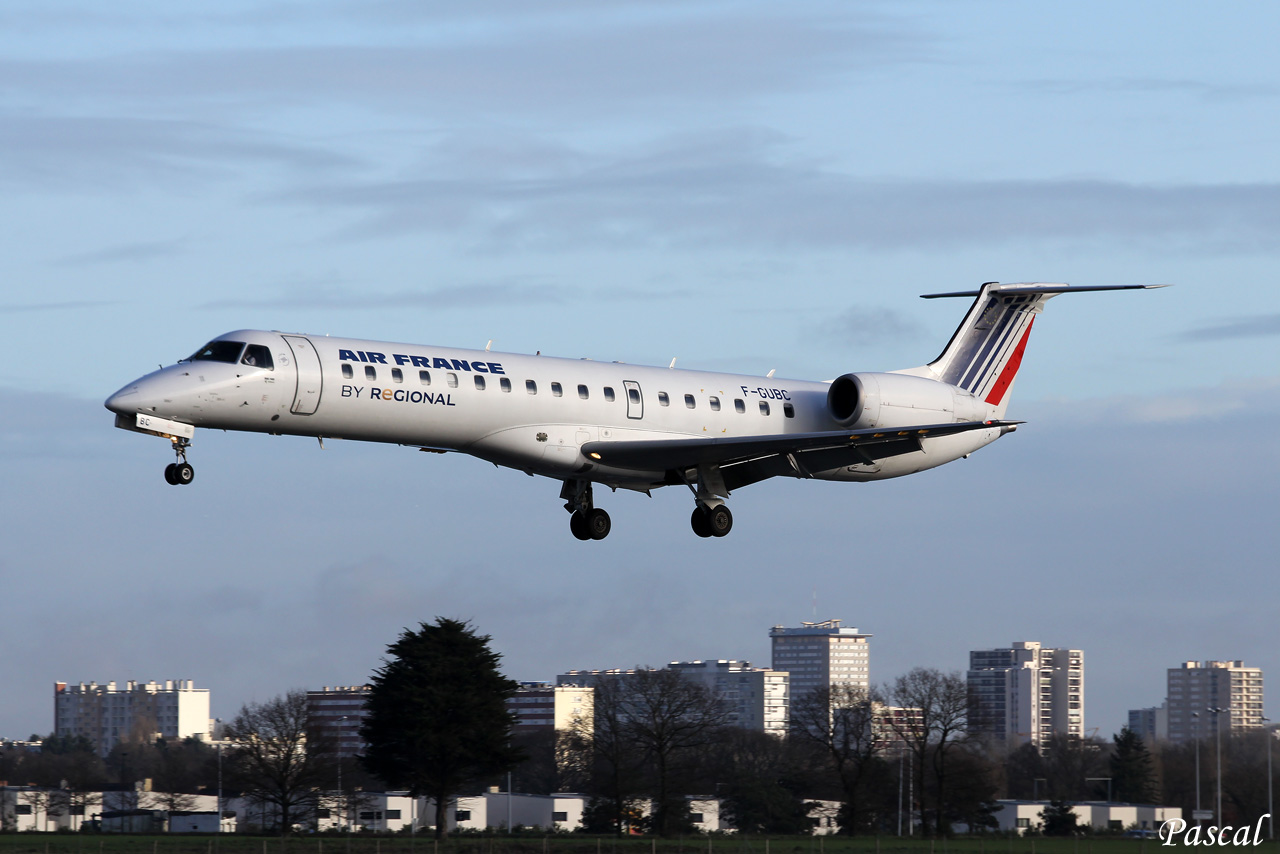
(744, 186)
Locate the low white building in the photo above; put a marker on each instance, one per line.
(1100, 816)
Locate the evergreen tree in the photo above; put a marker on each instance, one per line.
(436, 717)
(1060, 819)
(1132, 770)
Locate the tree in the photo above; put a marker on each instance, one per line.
(939, 705)
(1059, 819)
(273, 762)
(615, 761)
(436, 717)
(1132, 772)
(759, 778)
(670, 718)
(840, 722)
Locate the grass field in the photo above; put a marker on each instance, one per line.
(40, 843)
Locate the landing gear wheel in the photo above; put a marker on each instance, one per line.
(183, 473)
(578, 525)
(168, 474)
(598, 524)
(701, 525)
(720, 520)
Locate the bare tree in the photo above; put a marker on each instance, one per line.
(670, 718)
(840, 722)
(936, 725)
(44, 803)
(614, 759)
(272, 761)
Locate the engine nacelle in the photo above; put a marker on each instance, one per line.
(867, 400)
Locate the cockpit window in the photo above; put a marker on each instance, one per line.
(257, 356)
(218, 351)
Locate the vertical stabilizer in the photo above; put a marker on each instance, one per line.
(986, 350)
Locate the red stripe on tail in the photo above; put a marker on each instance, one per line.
(1010, 369)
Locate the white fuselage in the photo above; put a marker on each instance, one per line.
(531, 413)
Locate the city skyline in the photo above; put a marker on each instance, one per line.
(983, 663)
(746, 187)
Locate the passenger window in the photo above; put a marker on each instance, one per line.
(424, 377)
(505, 385)
(663, 399)
(451, 379)
(397, 375)
(257, 356)
(739, 405)
(479, 382)
(347, 373)
(715, 404)
(688, 402)
(788, 410)
(764, 407)
(530, 386)
(557, 390)
(608, 394)
(370, 373)
(633, 395)
(583, 393)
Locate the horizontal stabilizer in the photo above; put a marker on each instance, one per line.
(1043, 288)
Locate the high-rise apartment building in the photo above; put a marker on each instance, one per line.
(543, 707)
(820, 655)
(1197, 688)
(335, 714)
(755, 698)
(1026, 693)
(1150, 724)
(142, 711)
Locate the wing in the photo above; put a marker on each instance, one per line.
(747, 459)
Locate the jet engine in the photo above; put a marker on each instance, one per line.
(867, 400)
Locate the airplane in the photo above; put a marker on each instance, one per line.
(584, 422)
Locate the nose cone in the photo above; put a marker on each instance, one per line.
(126, 401)
(145, 394)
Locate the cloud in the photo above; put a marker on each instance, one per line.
(142, 251)
(1262, 326)
(78, 153)
(70, 305)
(452, 296)
(1202, 89)
(741, 186)
(583, 59)
(1209, 405)
(866, 326)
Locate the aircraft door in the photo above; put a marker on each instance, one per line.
(635, 400)
(310, 382)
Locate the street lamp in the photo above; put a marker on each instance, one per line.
(1271, 827)
(1195, 716)
(342, 798)
(1217, 711)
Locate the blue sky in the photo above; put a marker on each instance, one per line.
(744, 186)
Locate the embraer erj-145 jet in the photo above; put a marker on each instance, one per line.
(584, 423)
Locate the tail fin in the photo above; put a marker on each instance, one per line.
(986, 350)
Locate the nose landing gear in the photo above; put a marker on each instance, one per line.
(587, 522)
(180, 473)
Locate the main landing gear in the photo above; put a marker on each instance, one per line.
(711, 521)
(180, 473)
(711, 518)
(586, 522)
